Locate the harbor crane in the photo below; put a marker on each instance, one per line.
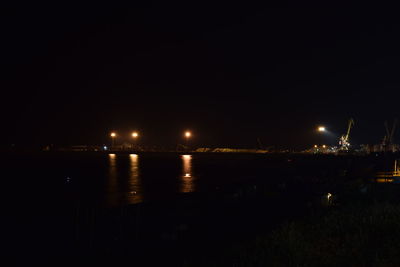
(387, 141)
(344, 143)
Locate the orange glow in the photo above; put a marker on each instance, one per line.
(324, 146)
(188, 134)
(321, 129)
(134, 183)
(187, 178)
(384, 180)
(113, 134)
(135, 134)
(315, 146)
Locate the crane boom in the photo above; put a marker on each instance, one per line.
(351, 123)
(344, 139)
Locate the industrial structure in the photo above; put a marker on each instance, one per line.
(387, 144)
(344, 143)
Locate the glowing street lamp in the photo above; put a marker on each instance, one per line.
(113, 136)
(135, 135)
(322, 131)
(188, 134)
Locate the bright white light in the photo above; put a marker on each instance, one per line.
(321, 129)
(133, 155)
(105, 147)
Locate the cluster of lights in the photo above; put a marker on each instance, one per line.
(188, 134)
(134, 134)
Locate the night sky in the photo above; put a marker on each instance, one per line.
(230, 73)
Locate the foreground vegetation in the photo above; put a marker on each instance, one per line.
(363, 231)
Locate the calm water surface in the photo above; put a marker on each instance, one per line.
(117, 179)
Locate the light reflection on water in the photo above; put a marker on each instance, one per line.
(118, 191)
(384, 180)
(125, 181)
(134, 187)
(112, 187)
(187, 179)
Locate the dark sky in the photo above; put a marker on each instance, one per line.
(231, 73)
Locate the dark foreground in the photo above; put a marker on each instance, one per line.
(286, 221)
